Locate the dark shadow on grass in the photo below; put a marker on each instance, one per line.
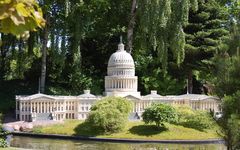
(147, 130)
(86, 129)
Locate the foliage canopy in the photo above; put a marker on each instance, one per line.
(110, 114)
(20, 16)
(159, 113)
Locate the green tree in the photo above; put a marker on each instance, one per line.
(227, 83)
(206, 35)
(161, 27)
(110, 114)
(230, 131)
(159, 113)
(20, 16)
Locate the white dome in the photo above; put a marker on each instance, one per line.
(121, 58)
(121, 79)
(121, 63)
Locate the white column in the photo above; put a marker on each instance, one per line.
(20, 106)
(111, 83)
(38, 104)
(48, 107)
(45, 107)
(51, 106)
(37, 107)
(42, 107)
(64, 105)
(139, 106)
(31, 107)
(34, 106)
(131, 84)
(128, 83)
(23, 109)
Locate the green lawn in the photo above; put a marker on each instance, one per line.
(133, 130)
(11, 148)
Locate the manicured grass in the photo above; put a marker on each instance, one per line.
(11, 148)
(133, 130)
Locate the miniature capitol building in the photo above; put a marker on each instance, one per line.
(120, 81)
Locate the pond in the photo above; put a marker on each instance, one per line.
(58, 144)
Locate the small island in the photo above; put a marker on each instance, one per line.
(128, 74)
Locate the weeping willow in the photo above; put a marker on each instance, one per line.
(161, 25)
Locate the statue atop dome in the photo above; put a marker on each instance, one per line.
(121, 45)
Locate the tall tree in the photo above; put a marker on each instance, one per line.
(44, 56)
(161, 26)
(206, 35)
(227, 81)
(131, 24)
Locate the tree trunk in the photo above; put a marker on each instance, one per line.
(30, 43)
(44, 57)
(190, 82)
(6, 42)
(131, 26)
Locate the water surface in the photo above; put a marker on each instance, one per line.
(58, 144)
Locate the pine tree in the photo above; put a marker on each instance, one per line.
(206, 34)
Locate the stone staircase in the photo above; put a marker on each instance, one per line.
(134, 116)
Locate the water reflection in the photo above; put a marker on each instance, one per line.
(56, 144)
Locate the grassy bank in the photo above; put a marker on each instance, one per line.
(133, 130)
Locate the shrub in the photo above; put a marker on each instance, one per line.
(183, 113)
(200, 121)
(110, 114)
(3, 143)
(196, 119)
(159, 113)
